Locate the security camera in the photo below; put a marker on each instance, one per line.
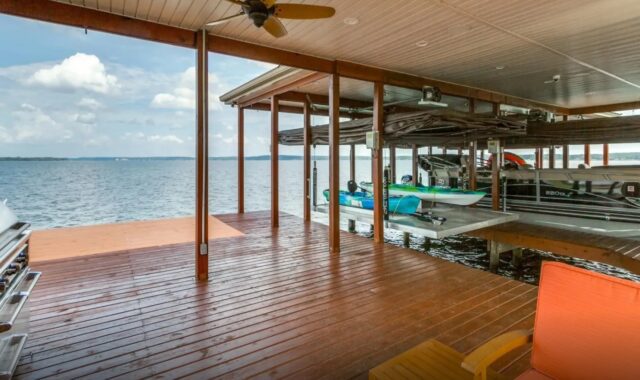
(556, 78)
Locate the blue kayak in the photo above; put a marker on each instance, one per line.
(397, 205)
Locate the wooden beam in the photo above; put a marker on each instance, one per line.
(605, 154)
(317, 99)
(334, 163)
(275, 175)
(565, 156)
(552, 157)
(307, 162)
(279, 88)
(240, 160)
(587, 154)
(202, 159)
(85, 18)
(605, 108)
(378, 126)
(300, 110)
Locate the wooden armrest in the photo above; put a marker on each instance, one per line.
(478, 360)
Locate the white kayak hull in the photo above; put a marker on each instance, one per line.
(440, 195)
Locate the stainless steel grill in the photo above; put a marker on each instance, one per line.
(16, 283)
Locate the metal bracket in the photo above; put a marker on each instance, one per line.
(204, 249)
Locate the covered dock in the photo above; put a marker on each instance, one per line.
(289, 298)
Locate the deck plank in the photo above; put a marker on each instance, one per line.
(277, 305)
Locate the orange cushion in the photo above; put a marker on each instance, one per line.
(587, 325)
(532, 374)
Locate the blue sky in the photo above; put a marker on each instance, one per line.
(64, 93)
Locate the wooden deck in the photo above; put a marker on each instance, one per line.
(617, 251)
(278, 305)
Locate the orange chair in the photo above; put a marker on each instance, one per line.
(587, 327)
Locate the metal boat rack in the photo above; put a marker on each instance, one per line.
(459, 220)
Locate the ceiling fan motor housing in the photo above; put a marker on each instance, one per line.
(257, 12)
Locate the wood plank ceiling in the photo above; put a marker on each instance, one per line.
(591, 44)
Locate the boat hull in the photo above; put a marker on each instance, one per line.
(397, 205)
(432, 193)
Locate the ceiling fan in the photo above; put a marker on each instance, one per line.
(267, 14)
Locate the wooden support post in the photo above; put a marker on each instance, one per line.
(202, 160)
(565, 149)
(516, 257)
(414, 164)
(240, 160)
(495, 181)
(406, 239)
(473, 172)
(552, 157)
(334, 163)
(494, 256)
(392, 163)
(352, 162)
(605, 154)
(275, 175)
(378, 124)
(587, 154)
(496, 164)
(307, 161)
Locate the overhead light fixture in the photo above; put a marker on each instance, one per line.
(351, 21)
(422, 43)
(500, 67)
(554, 79)
(431, 96)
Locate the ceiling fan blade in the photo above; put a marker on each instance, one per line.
(268, 3)
(275, 27)
(224, 19)
(302, 11)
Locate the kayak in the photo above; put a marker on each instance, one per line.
(432, 193)
(397, 205)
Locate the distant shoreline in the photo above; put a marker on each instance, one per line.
(621, 156)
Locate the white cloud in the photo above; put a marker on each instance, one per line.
(139, 136)
(85, 118)
(89, 103)
(5, 135)
(166, 138)
(183, 95)
(80, 71)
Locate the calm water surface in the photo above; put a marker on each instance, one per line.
(52, 194)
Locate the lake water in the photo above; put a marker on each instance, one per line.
(52, 194)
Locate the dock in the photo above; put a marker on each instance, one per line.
(277, 305)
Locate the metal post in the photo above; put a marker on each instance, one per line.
(307, 161)
(314, 194)
(275, 170)
(385, 193)
(240, 160)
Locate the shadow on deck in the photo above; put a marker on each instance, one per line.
(277, 305)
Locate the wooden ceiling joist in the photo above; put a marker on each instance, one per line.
(60, 13)
(605, 108)
(285, 85)
(300, 110)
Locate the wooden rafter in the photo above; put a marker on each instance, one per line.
(280, 87)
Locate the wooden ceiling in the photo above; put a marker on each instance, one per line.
(592, 44)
